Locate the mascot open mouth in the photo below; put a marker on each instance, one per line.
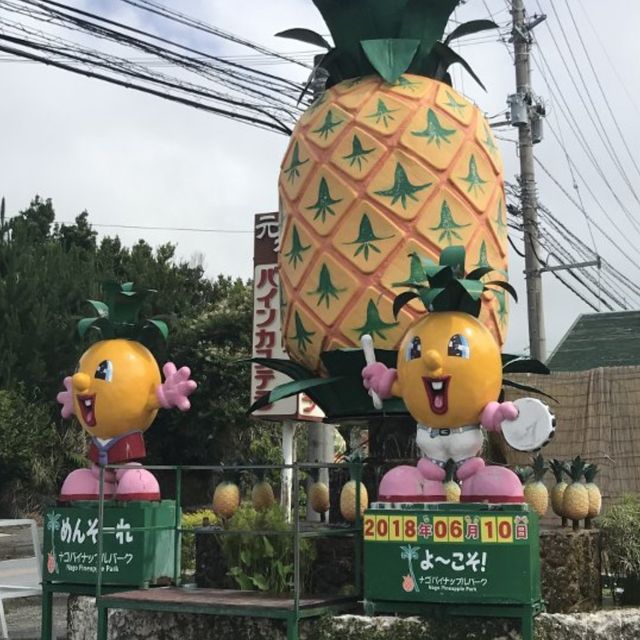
(438, 393)
(88, 409)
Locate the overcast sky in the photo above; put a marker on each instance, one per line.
(130, 158)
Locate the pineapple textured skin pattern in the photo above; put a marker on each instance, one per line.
(536, 494)
(374, 172)
(575, 501)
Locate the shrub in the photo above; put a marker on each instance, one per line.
(620, 527)
(35, 454)
(264, 562)
(193, 520)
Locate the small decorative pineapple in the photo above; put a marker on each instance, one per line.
(575, 501)
(595, 497)
(348, 500)
(319, 497)
(451, 487)
(226, 499)
(262, 495)
(558, 468)
(535, 492)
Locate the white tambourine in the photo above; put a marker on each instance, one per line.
(532, 429)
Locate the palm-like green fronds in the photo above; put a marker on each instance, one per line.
(388, 37)
(119, 315)
(444, 286)
(341, 394)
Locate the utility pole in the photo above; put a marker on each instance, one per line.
(523, 114)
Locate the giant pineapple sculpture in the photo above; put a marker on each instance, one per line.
(389, 160)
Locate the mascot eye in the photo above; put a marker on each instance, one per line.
(414, 349)
(104, 371)
(458, 346)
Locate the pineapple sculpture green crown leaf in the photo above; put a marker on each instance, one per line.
(388, 37)
(577, 468)
(538, 467)
(590, 472)
(558, 468)
(444, 286)
(119, 315)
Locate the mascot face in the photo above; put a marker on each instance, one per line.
(449, 368)
(114, 388)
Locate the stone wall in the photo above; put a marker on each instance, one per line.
(618, 624)
(570, 570)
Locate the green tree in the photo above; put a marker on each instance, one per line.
(47, 272)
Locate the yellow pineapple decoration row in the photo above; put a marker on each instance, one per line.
(226, 498)
(581, 501)
(575, 501)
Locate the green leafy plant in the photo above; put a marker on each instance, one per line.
(263, 562)
(193, 520)
(620, 528)
(33, 452)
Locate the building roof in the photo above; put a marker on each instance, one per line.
(599, 340)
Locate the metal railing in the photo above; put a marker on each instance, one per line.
(355, 469)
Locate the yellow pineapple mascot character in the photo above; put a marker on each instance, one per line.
(449, 375)
(115, 395)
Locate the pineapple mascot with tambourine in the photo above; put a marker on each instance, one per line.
(115, 395)
(449, 375)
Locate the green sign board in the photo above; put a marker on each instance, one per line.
(130, 555)
(452, 553)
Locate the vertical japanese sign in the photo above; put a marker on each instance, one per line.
(267, 326)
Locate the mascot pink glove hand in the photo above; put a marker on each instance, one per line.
(65, 398)
(176, 388)
(379, 378)
(495, 412)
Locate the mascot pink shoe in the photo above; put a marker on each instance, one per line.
(82, 484)
(492, 484)
(407, 484)
(135, 483)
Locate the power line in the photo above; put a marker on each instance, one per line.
(558, 240)
(616, 244)
(271, 109)
(577, 131)
(521, 254)
(141, 227)
(130, 85)
(153, 228)
(602, 92)
(175, 16)
(592, 113)
(63, 15)
(558, 277)
(614, 67)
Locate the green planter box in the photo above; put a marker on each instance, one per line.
(130, 556)
(452, 554)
